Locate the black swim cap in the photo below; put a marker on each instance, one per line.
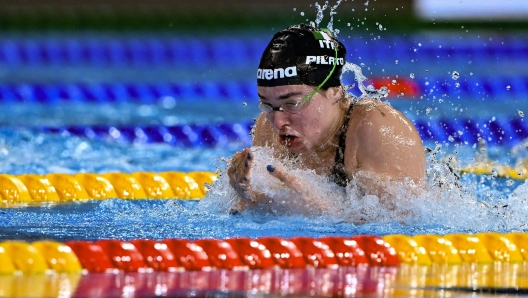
(302, 55)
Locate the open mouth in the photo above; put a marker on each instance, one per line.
(287, 139)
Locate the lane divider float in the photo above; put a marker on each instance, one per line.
(145, 255)
(152, 93)
(498, 131)
(186, 51)
(30, 189)
(519, 172)
(421, 265)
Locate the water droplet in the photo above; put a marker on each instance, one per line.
(412, 75)
(471, 73)
(396, 61)
(302, 13)
(457, 84)
(394, 82)
(362, 64)
(509, 182)
(508, 87)
(244, 104)
(348, 24)
(380, 27)
(494, 173)
(294, 9)
(521, 113)
(440, 100)
(455, 75)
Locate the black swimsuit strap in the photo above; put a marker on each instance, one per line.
(339, 174)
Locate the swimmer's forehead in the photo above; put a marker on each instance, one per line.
(283, 92)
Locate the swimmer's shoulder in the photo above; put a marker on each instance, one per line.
(375, 112)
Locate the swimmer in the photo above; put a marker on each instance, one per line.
(307, 116)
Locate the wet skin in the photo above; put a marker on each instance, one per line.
(379, 140)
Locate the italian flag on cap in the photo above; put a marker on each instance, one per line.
(320, 35)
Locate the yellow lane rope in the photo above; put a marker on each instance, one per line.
(32, 188)
(502, 171)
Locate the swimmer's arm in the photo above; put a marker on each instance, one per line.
(389, 147)
(301, 186)
(263, 132)
(264, 136)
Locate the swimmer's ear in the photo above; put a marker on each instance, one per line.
(334, 93)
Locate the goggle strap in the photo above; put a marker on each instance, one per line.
(309, 96)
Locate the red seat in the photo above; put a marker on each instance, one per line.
(254, 254)
(91, 256)
(156, 255)
(347, 251)
(189, 255)
(284, 252)
(124, 255)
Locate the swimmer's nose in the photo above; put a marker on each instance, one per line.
(278, 119)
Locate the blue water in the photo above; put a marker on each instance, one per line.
(455, 206)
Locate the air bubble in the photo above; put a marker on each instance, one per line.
(302, 13)
(412, 75)
(244, 104)
(394, 82)
(362, 64)
(509, 182)
(508, 87)
(455, 75)
(521, 113)
(396, 62)
(457, 84)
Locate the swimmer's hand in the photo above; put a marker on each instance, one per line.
(240, 178)
(300, 186)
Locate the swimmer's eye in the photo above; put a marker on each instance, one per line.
(293, 107)
(292, 104)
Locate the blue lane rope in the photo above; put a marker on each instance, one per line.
(501, 131)
(231, 51)
(476, 87)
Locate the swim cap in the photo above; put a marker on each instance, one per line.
(302, 55)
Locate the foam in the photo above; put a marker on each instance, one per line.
(444, 199)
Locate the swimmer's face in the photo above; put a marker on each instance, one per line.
(307, 127)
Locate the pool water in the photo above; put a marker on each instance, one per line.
(57, 91)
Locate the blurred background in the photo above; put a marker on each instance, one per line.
(182, 72)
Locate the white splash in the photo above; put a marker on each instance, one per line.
(443, 200)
